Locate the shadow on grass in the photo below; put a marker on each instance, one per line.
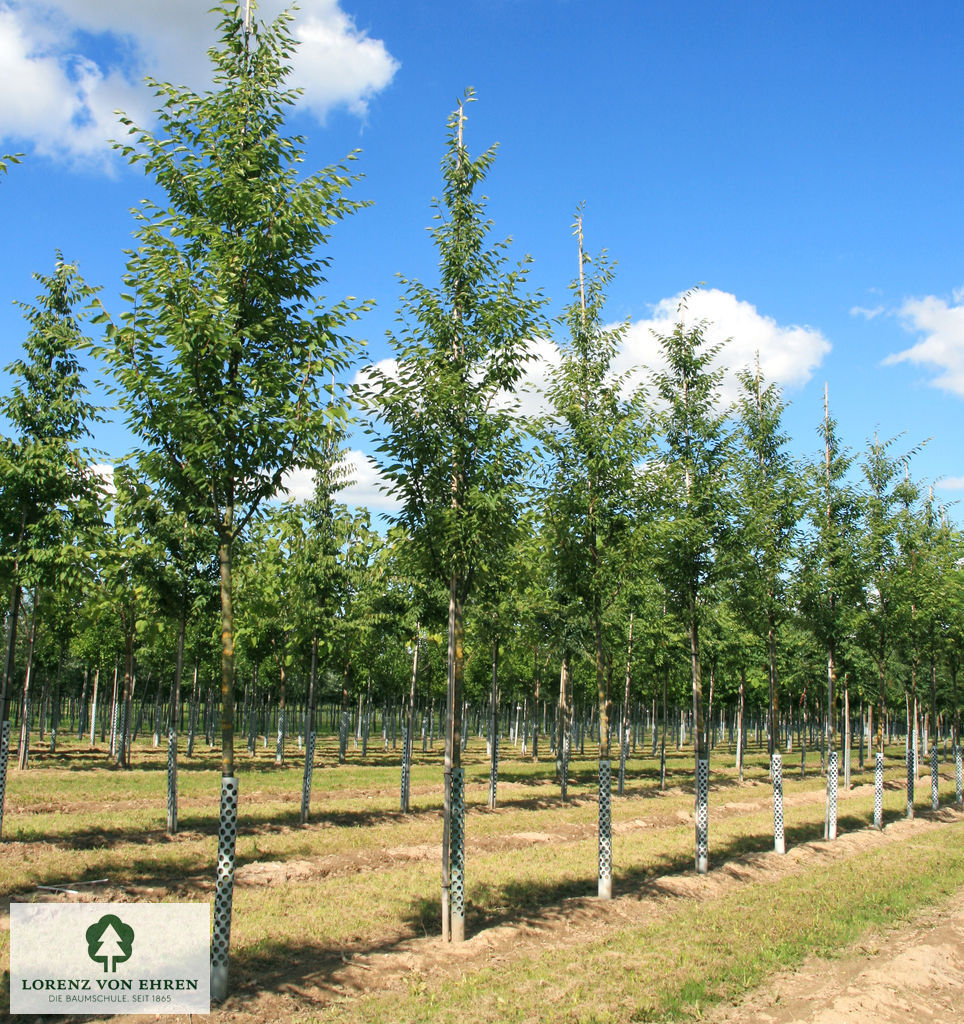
(284, 966)
(278, 966)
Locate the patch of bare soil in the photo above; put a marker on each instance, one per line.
(915, 973)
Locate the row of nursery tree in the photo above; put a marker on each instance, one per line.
(640, 542)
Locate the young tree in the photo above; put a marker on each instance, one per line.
(182, 580)
(832, 583)
(593, 437)
(770, 503)
(313, 542)
(48, 492)
(451, 454)
(879, 616)
(696, 513)
(222, 360)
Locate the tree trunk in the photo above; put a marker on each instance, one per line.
(624, 731)
(156, 723)
(408, 738)
(563, 727)
(227, 832)
(740, 708)
(911, 714)
(172, 726)
(535, 711)
(279, 753)
(82, 712)
(453, 851)
(193, 712)
(699, 746)
(830, 815)
(55, 700)
(123, 749)
(93, 706)
(366, 720)
(310, 731)
(24, 752)
(253, 712)
(494, 727)
(773, 684)
(343, 725)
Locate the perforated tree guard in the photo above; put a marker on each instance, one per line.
(935, 780)
(406, 769)
(494, 770)
(564, 767)
(224, 890)
(623, 754)
(605, 831)
(958, 771)
(4, 758)
(910, 781)
(879, 790)
(833, 780)
(702, 816)
(122, 735)
(457, 853)
(172, 782)
(779, 837)
(309, 771)
(279, 750)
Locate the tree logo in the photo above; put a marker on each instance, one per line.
(110, 942)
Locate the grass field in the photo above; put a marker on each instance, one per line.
(339, 919)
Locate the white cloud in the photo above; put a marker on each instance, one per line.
(336, 64)
(365, 490)
(867, 314)
(951, 483)
(105, 471)
(941, 346)
(76, 61)
(788, 354)
(362, 491)
(298, 484)
(363, 376)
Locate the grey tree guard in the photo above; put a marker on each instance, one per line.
(832, 783)
(910, 781)
(406, 768)
(457, 854)
(5, 757)
(702, 816)
(935, 780)
(605, 888)
(172, 782)
(779, 836)
(279, 752)
(879, 790)
(224, 891)
(958, 766)
(309, 770)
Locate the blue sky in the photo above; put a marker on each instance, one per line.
(804, 162)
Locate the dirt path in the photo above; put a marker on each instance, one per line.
(914, 973)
